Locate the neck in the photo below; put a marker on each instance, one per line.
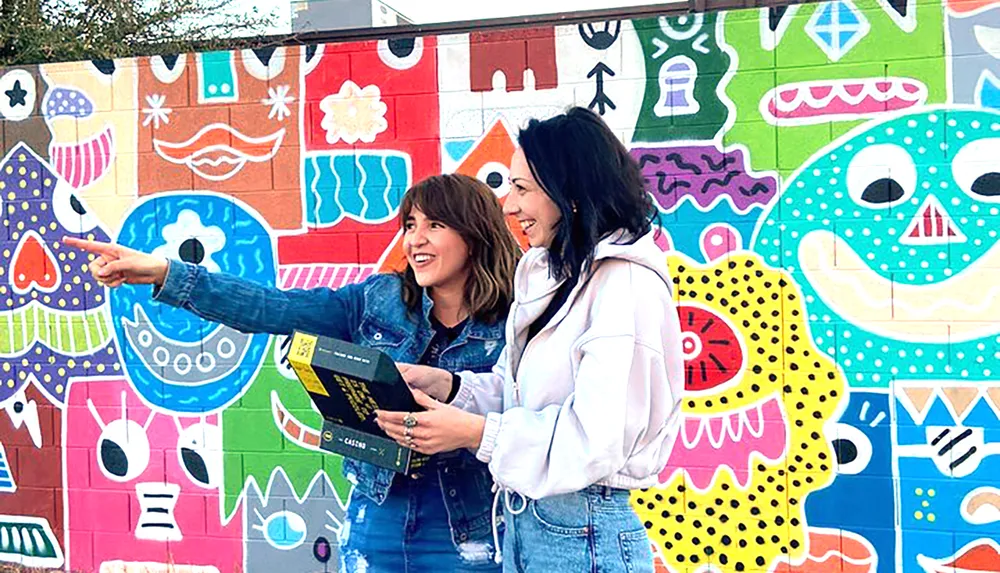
(449, 304)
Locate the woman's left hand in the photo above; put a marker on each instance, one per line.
(442, 428)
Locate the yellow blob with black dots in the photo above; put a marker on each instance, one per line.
(746, 528)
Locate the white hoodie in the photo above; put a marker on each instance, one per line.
(595, 398)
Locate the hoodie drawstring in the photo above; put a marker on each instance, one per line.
(498, 558)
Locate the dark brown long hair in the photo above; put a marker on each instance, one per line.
(468, 206)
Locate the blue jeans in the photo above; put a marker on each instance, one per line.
(409, 533)
(589, 531)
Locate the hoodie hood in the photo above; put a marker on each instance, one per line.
(532, 280)
(644, 252)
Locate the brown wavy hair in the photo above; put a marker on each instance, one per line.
(468, 206)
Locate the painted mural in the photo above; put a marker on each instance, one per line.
(829, 185)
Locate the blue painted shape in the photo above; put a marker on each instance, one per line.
(217, 77)
(456, 150)
(247, 252)
(989, 91)
(366, 187)
(6, 479)
(864, 476)
(688, 221)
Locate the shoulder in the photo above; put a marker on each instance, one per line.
(626, 297)
(383, 283)
(626, 274)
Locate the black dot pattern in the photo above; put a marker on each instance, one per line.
(747, 522)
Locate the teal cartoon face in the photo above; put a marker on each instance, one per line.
(892, 234)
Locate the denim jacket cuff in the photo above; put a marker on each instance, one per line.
(178, 283)
(490, 433)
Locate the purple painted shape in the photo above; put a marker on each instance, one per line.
(677, 97)
(66, 101)
(703, 173)
(39, 208)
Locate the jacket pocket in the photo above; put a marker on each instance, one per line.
(636, 554)
(376, 334)
(566, 515)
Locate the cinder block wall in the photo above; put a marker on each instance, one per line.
(828, 176)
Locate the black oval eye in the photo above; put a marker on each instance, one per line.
(114, 459)
(882, 191)
(195, 464)
(321, 549)
(106, 67)
(18, 407)
(75, 204)
(845, 450)
(494, 180)
(192, 251)
(401, 47)
(310, 53)
(987, 185)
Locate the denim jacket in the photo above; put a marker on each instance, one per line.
(371, 314)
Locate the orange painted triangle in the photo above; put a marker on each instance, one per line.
(919, 397)
(960, 398)
(993, 395)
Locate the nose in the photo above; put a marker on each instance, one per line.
(417, 236)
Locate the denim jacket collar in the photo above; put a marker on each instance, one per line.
(476, 329)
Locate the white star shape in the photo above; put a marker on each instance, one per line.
(278, 99)
(156, 112)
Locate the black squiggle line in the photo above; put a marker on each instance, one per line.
(717, 166)
(677, 160)
(720, 182)
(647, 158)
(676, 183)
(757, 189)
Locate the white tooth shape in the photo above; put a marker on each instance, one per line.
(989, 39)
(26, 540)
(27, 416)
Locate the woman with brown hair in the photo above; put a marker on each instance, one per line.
(446, 309)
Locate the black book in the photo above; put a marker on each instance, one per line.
(348, 383)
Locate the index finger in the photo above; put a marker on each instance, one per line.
(92, 246)
(391, 417)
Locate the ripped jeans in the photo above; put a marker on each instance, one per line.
(408, 533)
(594, 530)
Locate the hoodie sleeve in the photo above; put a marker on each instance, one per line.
(567, 447)
(482, 393)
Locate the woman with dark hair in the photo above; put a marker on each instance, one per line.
(584, 403)
(445, 309)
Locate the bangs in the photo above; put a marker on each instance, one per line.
(440, 199)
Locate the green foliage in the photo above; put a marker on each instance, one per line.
(35, 31)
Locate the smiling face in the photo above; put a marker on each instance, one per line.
(224, 121)
(437, 254)
(530, 205)
(907, 205)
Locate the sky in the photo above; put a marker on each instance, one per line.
(435, 11)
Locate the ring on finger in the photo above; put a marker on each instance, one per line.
(408, 432)
(409, 442)
(410, 421)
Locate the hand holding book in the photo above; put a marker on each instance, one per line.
(440, 428)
